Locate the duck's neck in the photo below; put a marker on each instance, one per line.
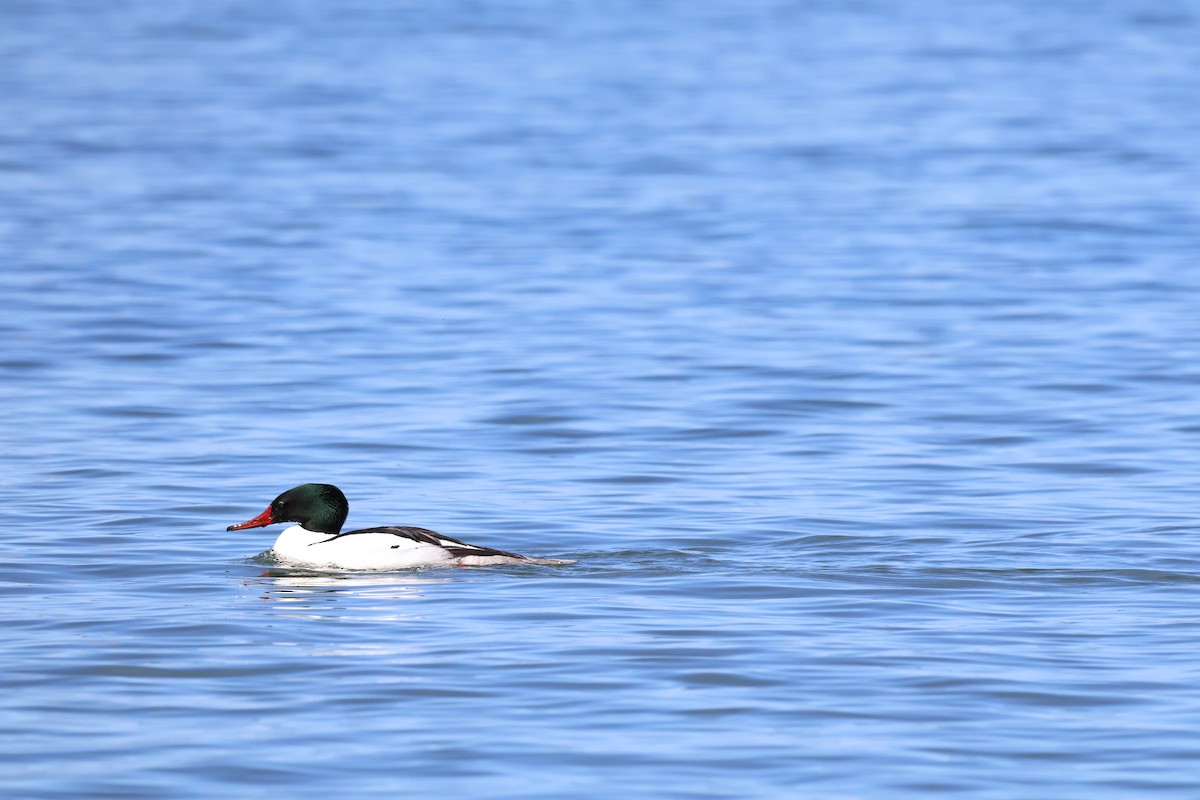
(326, 518)
(295, 541)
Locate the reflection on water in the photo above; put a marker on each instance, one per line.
(374, 594)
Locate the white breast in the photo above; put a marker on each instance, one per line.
(367, 551)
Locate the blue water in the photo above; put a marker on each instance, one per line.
(850, 348)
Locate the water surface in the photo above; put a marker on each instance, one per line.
(850, 348)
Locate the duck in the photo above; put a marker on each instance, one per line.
(316, 540)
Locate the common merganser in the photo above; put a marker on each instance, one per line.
(321, 510)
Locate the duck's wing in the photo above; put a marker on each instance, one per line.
(456, 548)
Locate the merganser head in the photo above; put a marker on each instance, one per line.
(319, 507)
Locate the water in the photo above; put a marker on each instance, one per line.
(850, 348)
